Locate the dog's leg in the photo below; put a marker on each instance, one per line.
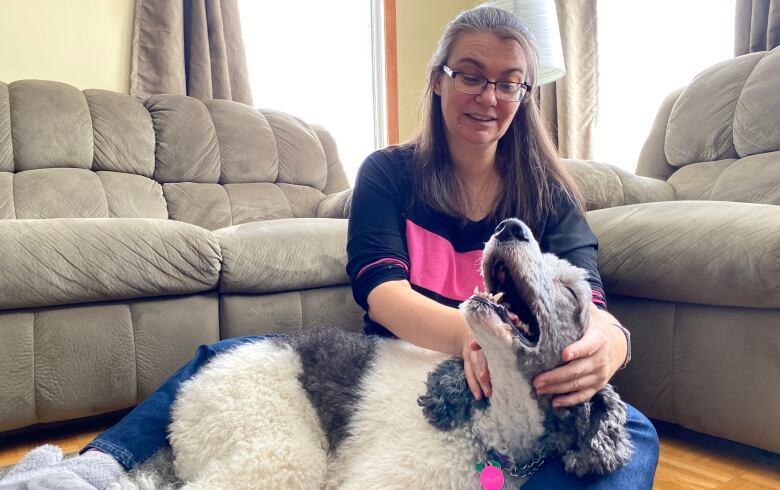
(602, 444)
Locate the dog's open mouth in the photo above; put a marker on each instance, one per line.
(510, 305)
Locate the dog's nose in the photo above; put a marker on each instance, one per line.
(511, 229)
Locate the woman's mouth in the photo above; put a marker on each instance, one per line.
(480, 118)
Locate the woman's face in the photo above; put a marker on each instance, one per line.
(479, 120)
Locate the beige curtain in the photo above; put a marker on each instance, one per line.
(189, 47)
(570, 105)
(757, 26)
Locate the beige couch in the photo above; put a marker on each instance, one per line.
(131, 231)
(696, 275)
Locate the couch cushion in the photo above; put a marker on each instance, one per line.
(247, 147)
(301, 155)
(54, 262)
(59, 193)
(7, 209)
(187, 149)
(712, 253)
(122, 132)
(283, 255)
(695, 181)
(755, 178)
(700, 127)
(50, 124)
(757, 115)
(6, 147)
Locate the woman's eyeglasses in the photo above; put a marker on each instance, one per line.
(466, 83)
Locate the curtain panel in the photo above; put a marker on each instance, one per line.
(757, 26)
(189, 47)
(570, 105)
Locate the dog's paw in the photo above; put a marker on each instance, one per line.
(448, 401)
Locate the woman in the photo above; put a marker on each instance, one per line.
(420, 216)
(422, 212)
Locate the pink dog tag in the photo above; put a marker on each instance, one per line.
(491, 478)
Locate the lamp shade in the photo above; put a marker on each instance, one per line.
(542, 20)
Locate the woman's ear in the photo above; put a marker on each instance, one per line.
(437, 84)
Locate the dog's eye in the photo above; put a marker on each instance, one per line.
(573, 294)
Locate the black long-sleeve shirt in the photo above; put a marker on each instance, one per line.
(392, 237)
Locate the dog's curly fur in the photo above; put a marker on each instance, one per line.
(329, 409)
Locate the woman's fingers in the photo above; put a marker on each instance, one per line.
(573, 398)
(591, 342)
(563, 374)
(484, 377)
(471, 379)
(587, 382)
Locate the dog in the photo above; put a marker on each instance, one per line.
(335, 410)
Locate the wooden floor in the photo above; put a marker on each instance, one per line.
(688, 460)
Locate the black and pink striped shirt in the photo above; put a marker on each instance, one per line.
(391, 237)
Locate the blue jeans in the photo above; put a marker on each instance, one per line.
(144, 431)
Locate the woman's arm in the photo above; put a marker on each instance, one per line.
(431, 325)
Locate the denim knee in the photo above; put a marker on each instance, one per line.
(643, 434)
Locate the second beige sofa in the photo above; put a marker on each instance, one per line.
(131, 231)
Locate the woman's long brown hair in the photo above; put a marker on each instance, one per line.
(526, 158)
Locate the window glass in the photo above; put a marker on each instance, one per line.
(314, 60)
(647, 49)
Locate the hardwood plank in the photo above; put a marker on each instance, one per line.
(688, 460)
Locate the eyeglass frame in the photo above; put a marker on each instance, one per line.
(452, 74)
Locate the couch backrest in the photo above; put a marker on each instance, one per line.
(94, 153)
(719, 138)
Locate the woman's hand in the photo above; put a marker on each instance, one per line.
(590, 362)
(476, 368)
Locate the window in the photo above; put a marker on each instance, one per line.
(316, 61)
(647, 50)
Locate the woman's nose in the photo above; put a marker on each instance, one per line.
(488, 96)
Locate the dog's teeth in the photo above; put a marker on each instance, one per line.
(497, 297)
(476, 290)
(522, 326)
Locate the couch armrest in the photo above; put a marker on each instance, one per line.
(49, 262)
(702, 252)
(605, 186)
(336, 205)
(283, 255)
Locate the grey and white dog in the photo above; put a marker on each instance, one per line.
(329, 409)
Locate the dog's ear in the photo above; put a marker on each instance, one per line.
(602, 443)
(448, 402)
(575, 280)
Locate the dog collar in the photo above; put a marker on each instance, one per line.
(515, 469)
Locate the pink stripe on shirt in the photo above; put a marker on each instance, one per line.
(598, 298)
(384, 261)
(437, 267)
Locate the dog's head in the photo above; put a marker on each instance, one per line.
(535, 304)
